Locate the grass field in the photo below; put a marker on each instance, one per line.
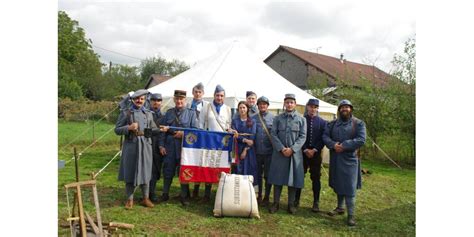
(385, 205)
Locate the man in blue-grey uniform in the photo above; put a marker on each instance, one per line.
(251, 99)
(155, 108)
(344, 136)
(263, 147)
(312, 150)
(137, 125)
(197, 104)
(171, 141)
(286, 169)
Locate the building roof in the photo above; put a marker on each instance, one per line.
(335, 67)
(156, 79)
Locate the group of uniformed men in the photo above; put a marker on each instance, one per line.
(286, 146)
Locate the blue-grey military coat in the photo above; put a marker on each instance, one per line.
(263, 144)
(137, 156)
(288, 130)
(344, 167)
(186, 119)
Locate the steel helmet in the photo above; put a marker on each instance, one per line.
(263, 99)
(345, 102)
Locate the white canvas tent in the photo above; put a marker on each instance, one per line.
(237, 70)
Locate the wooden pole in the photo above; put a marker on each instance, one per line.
(76, 164)
(93, 225)
(81, 212)
(77, 180)
(97, 207)
(93, 132)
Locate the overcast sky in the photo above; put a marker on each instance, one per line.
(369, 32)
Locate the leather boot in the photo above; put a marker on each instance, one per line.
(259, 199)
(315, 207)
(350, 220)
(265, 202)
(336, 211)
(291, 209)
(274, 208)
(297, 197)
(205, 200)
(129, 204)
(147, 203)
(153, 197)
(195, 194)
(165, 197)
(184, 201)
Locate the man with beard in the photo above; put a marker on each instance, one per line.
(263, 147)
(286, 169)
(312, 151)
(136, 123)
(170, 144)
(155, 107)
(344, 136)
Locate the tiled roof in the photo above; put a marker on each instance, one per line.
(336, 68)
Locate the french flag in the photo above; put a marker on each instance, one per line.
(204, 155)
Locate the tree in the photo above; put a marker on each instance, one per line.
(158, 65)
(405, 70)
(78, 64)
(124, 78)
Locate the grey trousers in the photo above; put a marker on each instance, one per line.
(130, 189)
(350, 203)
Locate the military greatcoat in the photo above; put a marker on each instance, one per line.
(288, 130)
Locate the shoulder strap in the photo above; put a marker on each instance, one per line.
(176, 118)
(265, 127)
(331, 127)
(215, 116)
(354, 123)
(129, 116)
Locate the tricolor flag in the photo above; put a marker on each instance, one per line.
(205, 154)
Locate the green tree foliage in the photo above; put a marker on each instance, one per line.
(158, 65)
(78, 65)
(405, 70)
(123, 78)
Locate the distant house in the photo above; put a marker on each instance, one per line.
(156, 79)
(300, 67)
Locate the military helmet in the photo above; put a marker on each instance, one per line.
(263, 99)
(345, 102)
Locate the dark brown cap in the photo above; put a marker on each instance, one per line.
(179, 93)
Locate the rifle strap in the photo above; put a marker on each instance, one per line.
(264, 126)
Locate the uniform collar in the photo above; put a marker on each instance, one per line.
(134, 108)
(292, 113)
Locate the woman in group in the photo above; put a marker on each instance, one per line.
(247, 160)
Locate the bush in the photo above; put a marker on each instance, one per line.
(84, 109)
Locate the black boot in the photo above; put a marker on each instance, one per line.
(184, 201)
(152, 192)
(336, 211)
(315, 207)
(297, 197)
(265, 201)
(165, 197)
(350, 220)
(196, 191)
(274, 208)
(291, 208)
(153, 197)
